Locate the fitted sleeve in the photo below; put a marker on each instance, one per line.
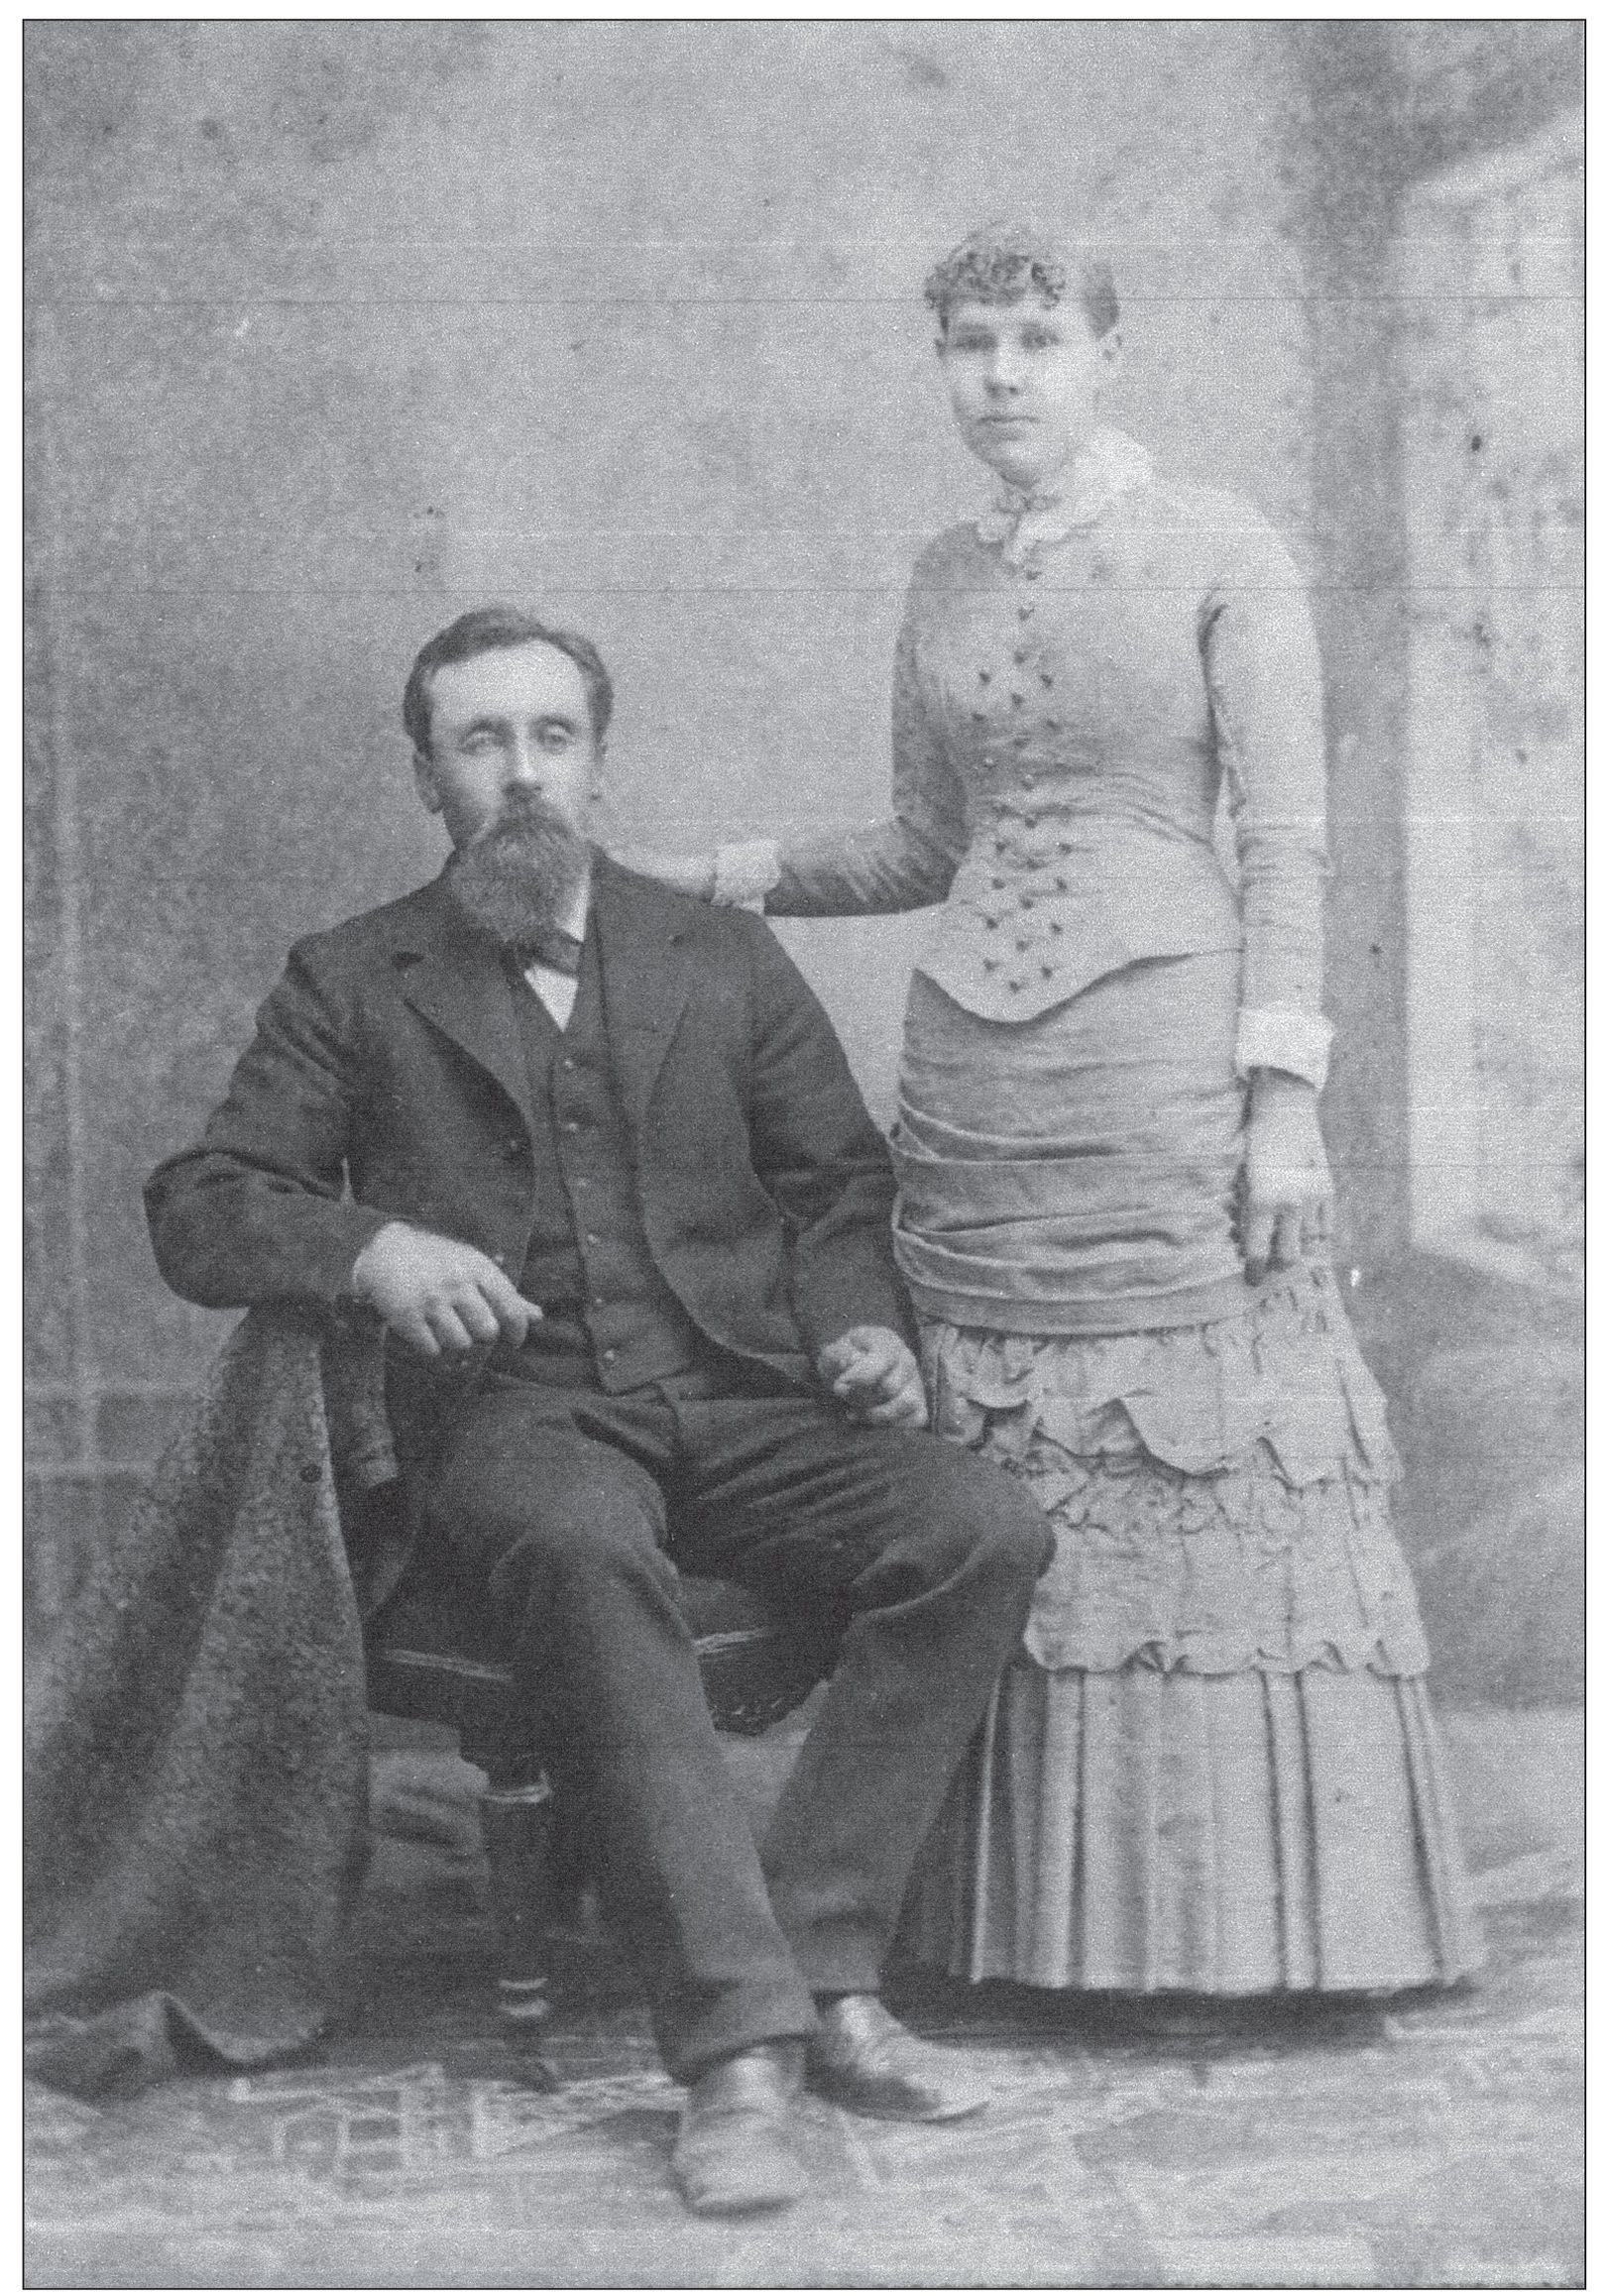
(905, 863)
(1264, 681)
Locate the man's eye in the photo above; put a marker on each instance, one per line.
(1039, 339)
(555, 737)
(473, 744)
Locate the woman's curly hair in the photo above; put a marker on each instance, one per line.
(999, 263)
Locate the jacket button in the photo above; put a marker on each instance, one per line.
(610, 1356)
(1020, 653)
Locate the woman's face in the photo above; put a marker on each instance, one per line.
(1025, 380)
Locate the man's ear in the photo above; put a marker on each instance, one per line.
(424, 781)
(1111, 350)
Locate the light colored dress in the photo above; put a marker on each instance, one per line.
(1214, 1767)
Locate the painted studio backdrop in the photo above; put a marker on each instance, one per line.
(338, 328)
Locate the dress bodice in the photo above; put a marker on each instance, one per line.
(1068, 700)
(1069, 695)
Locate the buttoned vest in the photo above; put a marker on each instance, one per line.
(609, 1319)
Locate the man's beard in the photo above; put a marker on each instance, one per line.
(513, 880)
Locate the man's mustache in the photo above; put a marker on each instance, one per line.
(521, 817)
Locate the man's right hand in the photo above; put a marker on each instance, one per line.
(441, 1296)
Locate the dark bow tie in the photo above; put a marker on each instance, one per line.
(554, 948)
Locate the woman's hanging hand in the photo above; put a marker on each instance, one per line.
(1287, 1188)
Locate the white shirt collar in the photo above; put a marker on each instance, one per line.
(571, 918)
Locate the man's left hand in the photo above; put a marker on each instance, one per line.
(872, 1372)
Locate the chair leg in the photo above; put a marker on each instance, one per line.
(519, 1830)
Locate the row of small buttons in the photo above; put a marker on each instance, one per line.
(568, 1065)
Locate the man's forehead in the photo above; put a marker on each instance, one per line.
(511, 681)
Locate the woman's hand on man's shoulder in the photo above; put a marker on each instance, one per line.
(681, 873)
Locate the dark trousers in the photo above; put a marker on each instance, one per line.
(574, 1507)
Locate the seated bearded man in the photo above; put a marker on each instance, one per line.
(593, 1152)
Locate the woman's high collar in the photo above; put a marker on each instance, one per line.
(1022, 519)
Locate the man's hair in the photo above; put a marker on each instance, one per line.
(488, 630)
(999, 263)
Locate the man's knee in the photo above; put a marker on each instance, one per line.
(979, 1512)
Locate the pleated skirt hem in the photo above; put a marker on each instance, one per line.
(1145, 1831)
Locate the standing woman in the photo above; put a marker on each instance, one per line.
(1212, 1768)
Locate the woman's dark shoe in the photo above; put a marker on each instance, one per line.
(861, 2057)
(734, 2154)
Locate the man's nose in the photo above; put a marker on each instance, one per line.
(523, 764)
(1004, 371)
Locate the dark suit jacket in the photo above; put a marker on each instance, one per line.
(387, 1080)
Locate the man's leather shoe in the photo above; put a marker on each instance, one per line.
(734, 2155)
(860, 2056)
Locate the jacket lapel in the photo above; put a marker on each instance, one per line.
(455, 978)
(646, 979)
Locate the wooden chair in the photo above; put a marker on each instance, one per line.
(431, 1659)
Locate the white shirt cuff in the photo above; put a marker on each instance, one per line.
(1296, 1042)
(745, 874)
